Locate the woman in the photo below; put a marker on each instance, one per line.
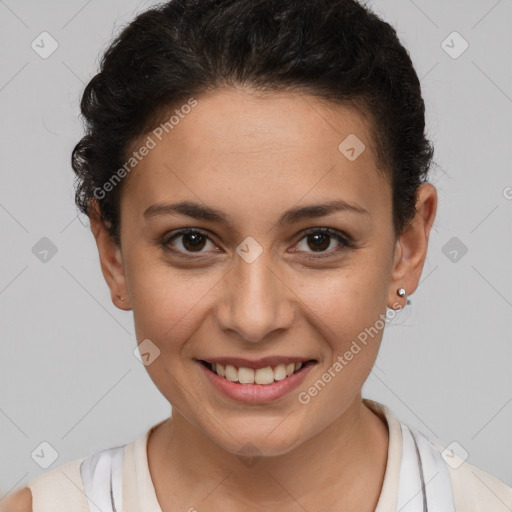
(255, 174)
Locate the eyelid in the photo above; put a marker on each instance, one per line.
(167, 237)
(329, 231)
(344, 240)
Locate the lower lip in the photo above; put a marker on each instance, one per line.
(257, 393)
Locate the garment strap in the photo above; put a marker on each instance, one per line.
(424, 483)
(102, 476)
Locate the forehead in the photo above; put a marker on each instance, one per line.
(235, 147)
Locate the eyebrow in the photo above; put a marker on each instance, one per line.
(202, 212)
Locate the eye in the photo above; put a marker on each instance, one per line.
(320, 239)
(190, 241)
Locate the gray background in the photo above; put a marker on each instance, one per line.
(68, 375)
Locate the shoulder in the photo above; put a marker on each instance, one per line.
(475, 490)
(56, 490)
(18, 501)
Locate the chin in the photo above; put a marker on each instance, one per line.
(263, 441)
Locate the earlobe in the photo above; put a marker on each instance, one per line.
(111, 260)
(411, 247)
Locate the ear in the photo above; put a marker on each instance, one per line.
(111, 260)
(411, 246)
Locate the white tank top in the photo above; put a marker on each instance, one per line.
(422, 464)
(417, 479)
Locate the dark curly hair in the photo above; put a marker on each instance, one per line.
(337, 50)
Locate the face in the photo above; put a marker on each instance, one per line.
(261, 278)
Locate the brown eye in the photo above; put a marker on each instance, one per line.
(187, 240)
(319, 240)
(193, 241)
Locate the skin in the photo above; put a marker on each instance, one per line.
(254, 157)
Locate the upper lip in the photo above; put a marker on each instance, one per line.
(257, 363)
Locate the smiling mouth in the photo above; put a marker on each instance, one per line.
(263, 376)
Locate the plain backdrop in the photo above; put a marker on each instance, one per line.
(68, 375)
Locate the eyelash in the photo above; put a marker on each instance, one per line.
(345, 242)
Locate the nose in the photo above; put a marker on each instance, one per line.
(256, 300)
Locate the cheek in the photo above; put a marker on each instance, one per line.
(167, 303)
(348, 299)
(348, 320)
(347, 310)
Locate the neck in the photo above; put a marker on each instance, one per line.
(183, 460)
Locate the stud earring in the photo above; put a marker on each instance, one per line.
(401, 292)
(120, 297)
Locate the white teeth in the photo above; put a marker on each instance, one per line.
(231, 373)
(263, 376)
(246, 376)
(280, 372)
(220, 370)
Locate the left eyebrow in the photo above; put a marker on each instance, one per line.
(320, 210)
(199, 211)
